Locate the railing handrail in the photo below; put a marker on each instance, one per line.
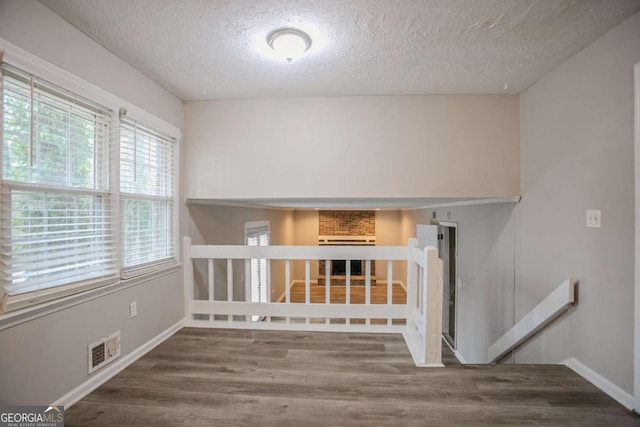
(552, 306)
(371, 253)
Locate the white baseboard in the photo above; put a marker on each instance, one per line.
(615, 392)
(114, 368)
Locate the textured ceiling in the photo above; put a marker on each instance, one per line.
(215, 49)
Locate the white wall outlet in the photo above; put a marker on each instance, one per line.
(133, 309)
(594, 218)
(459, 282)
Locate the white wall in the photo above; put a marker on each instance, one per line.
(389, 233)
(305, 233)
(43, 359)
(377, 146)
(577, 154)
(486, 267)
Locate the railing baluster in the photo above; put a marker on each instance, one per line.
(268, 287)
(367, 284)
(287, 285)
(411, 284)
(188, 278)
(389, 287)
(230, 284)
(211, 283)
(327, 286)
(307, 285)
(247, 286)
(347, 288)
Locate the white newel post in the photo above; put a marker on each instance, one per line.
(433, 305)
(412, 281)
(188, 276)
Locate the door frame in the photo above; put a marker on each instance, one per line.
(454, 224)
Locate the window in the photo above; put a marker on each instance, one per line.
(257, 234)
(56, 204)
(85, 199)
(147, 193)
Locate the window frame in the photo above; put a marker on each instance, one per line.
(26, 305)
(151, 266)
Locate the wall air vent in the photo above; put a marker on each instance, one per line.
(104, 351)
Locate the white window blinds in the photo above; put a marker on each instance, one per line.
(258, 236)
(56, 206)
(147, 191)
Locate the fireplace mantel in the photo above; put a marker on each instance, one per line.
(347, 240)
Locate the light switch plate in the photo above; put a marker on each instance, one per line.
(133, 309)
(594, 218)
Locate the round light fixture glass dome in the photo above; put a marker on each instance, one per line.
(289, 43)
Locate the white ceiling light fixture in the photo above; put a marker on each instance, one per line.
(289, 43)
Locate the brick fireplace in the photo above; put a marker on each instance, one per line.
(346, 228)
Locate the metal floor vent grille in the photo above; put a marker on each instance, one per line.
(104, 351)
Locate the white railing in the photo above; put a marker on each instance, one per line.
(418, 318)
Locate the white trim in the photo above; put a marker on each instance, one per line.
(26, 61)
(306, 310)
(488, 201)
(373, 253)
(295, 326)
(15, 318)
(636, 357)
(615, 392)
(95, 381)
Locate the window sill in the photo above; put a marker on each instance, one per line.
(14, 318)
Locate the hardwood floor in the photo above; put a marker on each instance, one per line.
(218, 377)
(338, 294)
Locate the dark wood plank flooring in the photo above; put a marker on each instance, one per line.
(217, 377)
